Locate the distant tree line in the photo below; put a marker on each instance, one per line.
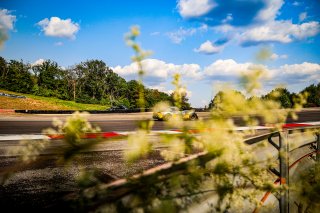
(87, 82)
(283, 96)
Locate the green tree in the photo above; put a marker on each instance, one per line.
(48, 78)
(116, 88)
(133, 93)
(313, 99)
(3, 69)
(220, 97)
(17, 78)
(90, 81)
(281, 95)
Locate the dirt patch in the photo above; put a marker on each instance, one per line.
(26, 103)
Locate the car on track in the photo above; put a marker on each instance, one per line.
(173, 112)
(118, 108)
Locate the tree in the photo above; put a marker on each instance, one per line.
(154, 96)
(3, 69)
(281, 95)
(133, 93)
(90, 81)
(49, 77)
(17, 78)
(116, 88)
(313, 99)
(221, 96)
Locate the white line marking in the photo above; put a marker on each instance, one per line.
(22, 137)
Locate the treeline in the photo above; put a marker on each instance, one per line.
(87, 82)
(283, 96)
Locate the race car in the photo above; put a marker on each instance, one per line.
(173, 112)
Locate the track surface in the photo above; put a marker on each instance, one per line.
(29, 124)
(41, 186)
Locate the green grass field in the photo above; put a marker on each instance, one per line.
(33, 102)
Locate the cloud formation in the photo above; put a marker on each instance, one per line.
(279, 31)
(57, 27)
(209, 48)
(195, 8)
(249, 22)
(158, 71)
(275, 56)
(181, 34)
(38, 62)
(6, 24)
(178, 36)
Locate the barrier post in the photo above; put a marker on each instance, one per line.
(284, 171)
(318, 148)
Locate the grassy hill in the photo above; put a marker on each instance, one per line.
(33, 102)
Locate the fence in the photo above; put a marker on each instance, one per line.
(306, 147)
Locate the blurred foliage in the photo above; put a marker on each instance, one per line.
(74, 131)
(213, 169)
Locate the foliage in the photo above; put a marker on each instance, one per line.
(308, 188)
(139, 56)
(73, 130)
(313, 99)
(224, 167)
(90, 82)
(16, 77)
(282, 95)
(179, 96)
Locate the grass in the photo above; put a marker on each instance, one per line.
(33, 102)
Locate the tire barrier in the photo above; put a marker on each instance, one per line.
(73, 111)
(11, 95)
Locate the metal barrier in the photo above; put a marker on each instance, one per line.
(287, 161)
(288, 157)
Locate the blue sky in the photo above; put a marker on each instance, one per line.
(209, 42)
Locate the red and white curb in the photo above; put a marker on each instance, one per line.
(152, 133)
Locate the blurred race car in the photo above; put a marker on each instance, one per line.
(173, 112)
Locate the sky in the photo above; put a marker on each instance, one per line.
(209, 42)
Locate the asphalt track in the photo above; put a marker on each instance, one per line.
(41, 185)
(34, 124)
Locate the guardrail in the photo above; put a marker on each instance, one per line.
(136, 110)
(287, 157)
(90, 111)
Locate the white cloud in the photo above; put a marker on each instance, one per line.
(157, 71)
(270, 11)
(226, 70)
(178, 36)
(57, 27)
(302, 16)
(305, 68)
(279, 31)
(195, 8)
(159, 75)
(227, 67)
(295, 74)
(275, 56)
(6, 23)
(224, 28)
(227, 19)
(264, 27)
(209, 48)
(38, 62)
